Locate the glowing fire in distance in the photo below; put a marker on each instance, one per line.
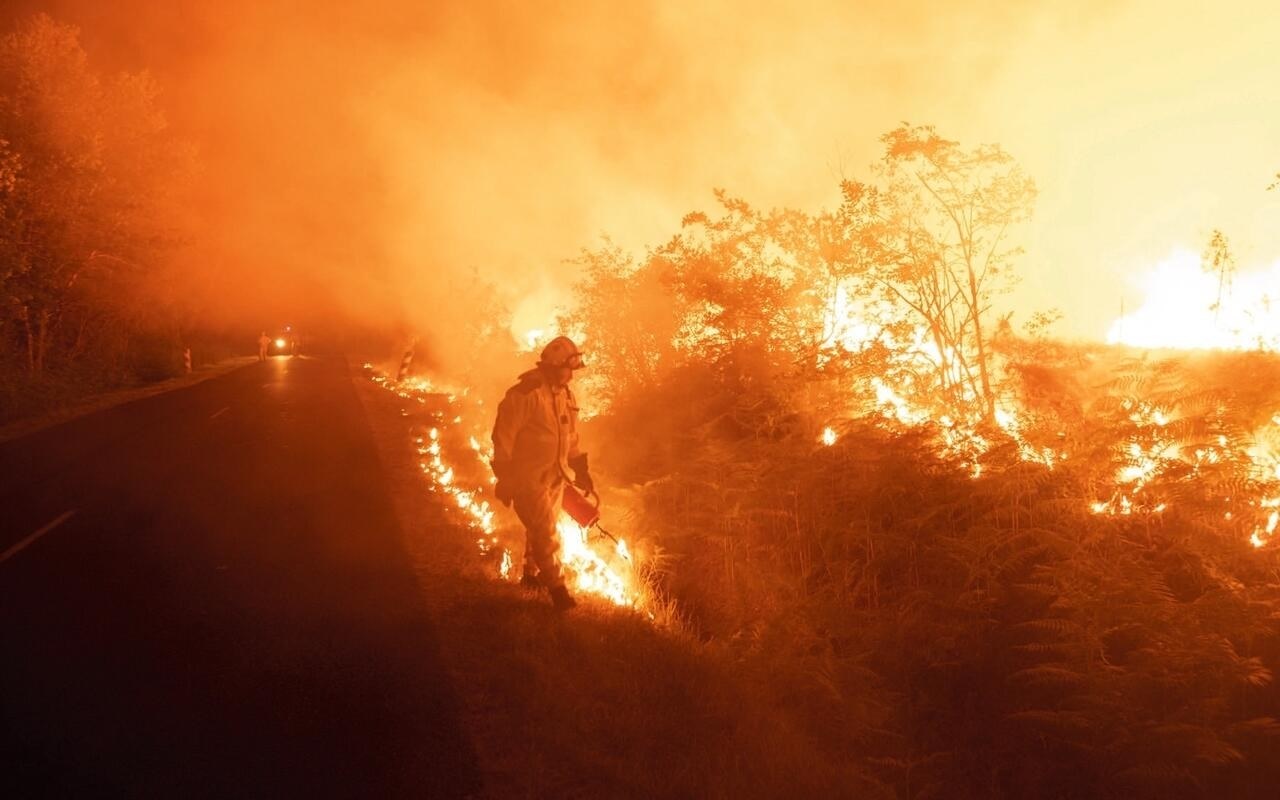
(1186, 306)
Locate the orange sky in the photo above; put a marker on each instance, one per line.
(367, 155)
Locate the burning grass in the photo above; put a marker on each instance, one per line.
(925, 615)
(596, 563)
(602, 703)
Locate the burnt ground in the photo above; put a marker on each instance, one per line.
(228, 609)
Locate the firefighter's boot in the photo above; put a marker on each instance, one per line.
(561, 600)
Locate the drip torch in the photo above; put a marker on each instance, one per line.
(584, 509)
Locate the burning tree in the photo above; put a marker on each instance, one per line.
(882, 303)
(948, 215)
(744, 295)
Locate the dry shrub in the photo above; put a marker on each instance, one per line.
(971, 638)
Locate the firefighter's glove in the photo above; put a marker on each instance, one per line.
(502, 488)
(582, 476)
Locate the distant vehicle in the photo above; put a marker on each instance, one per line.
(284, 342)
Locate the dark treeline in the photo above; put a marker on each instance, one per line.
(91, 189)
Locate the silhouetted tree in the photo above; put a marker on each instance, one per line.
(629, 316)
(1218, 260)
(89, 174)
(950, 212)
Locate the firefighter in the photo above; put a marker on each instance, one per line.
(264, 341)
(535, 453)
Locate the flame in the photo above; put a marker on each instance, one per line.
(1187, 307)
(1011, 424)
(853, 323)
(611, 576)
(894, 406)
(534, 318)
(1141, 459)
(1150, 451)
(592, 573)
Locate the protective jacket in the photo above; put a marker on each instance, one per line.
(536, 434)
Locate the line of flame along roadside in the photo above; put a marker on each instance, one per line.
(593, 569)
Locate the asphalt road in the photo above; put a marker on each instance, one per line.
(204, 594)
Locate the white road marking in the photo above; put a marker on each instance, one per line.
(17, 548)
(219, 413)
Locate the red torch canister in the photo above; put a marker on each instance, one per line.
(579, 508)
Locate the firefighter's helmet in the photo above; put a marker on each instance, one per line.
(561, 352)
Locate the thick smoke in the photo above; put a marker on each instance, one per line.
(364, 160)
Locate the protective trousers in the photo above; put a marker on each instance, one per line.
(538, 507)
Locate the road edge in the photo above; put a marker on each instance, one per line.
(100, 402)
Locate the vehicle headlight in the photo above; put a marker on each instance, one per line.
(279, 342)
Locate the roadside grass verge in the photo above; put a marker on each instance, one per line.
(599, 702)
